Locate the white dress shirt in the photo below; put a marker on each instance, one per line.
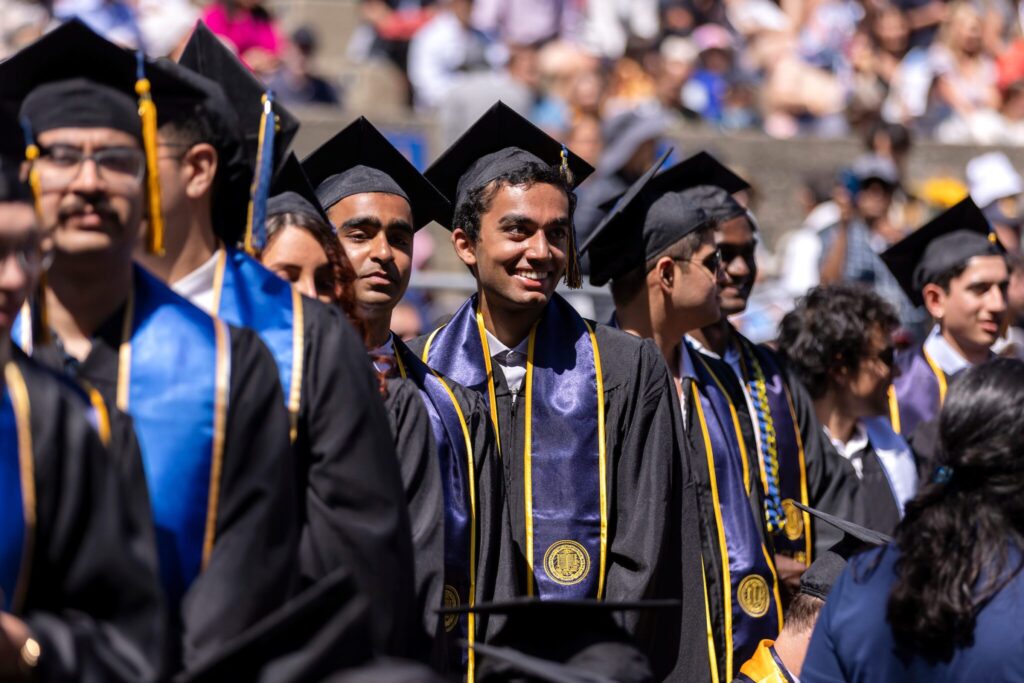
(511, 361)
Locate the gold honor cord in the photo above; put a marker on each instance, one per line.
(775, 583)
(490, 377)
(470, 461)
(940, 376)
(218, 279)
(723, 548)
(298, 356)
(26, 465)
(804, 496)
(894, 409)
(100, 408)
(220, 416)
(602, 459)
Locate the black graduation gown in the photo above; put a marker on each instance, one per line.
(93, 599)
(653, 548)
(354, 513)
(250, 571)
(421, 475)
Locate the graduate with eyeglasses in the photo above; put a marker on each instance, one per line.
(657, 248)
(204, 397)
(599, 496)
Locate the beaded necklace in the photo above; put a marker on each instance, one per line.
(757, 386)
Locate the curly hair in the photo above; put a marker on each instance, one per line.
(343, 276)
(831, 327)
(955, 537)
(478, 202)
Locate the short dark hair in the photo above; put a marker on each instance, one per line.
(478, 202)
(831, 328)
(947, 276)
(802, 613)
(625, 288)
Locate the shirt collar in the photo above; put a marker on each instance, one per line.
(943, 353)
(387, 348)
(496, 348)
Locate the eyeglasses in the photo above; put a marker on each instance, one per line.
(27, 253)
(120, 167)
(712, 262)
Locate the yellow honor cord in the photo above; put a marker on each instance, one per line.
(147, 115)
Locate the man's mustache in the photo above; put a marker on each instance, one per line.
(80, 207)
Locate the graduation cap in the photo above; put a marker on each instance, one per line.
(652, 215)
(360, 159)
(292, 192)
(577, 639)
(949, 240)
(713, 186)
(818, 579)
(498, 142)
(74, 78)
(268, 129)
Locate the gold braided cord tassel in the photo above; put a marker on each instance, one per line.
(147, 114)
(573, 274)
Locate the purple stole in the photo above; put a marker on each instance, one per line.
(916, 395)
(785, 475)
(752, 604)
(564, 463)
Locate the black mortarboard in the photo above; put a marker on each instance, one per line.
(360, 159)
(267, 128)
(292, 192)
(652, 215)
(75, 78)
(713, 185)
(582, 635)
(499, 142)
(818, 579)
(949, 240)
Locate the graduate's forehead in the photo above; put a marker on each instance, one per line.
(987, 269)
(384, 207)
(539, 203)
(88, 138)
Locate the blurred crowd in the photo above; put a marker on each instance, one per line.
(949, 70)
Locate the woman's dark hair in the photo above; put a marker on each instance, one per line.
(955, 539)
(478, 202)
(342, 274)
(830, 328)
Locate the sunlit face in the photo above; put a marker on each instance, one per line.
(376, 232)
(520, 253)
(737, 242)
(20, 259)
(867, 387)
(294, 255)
(697, 285)
(94, 207)
(972, 312)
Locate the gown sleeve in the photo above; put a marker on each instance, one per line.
(421, 478)
(94, 601)
(355, 509)
(250, 569)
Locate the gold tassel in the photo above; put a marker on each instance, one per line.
(573, 275)
(147, 113)
(40, 322)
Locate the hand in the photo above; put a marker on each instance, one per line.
(789, 571)
(14, 634)
(844, 201)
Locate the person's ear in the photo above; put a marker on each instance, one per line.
(200, 163)
(465, 248)
(934, 300)
(665, 272)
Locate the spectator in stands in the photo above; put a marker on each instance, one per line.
(708, 87)
(21, 22)
(166, 25)
(389, 25)
(294, 82)
(996, 188)
(249, 27)
(113, 19)
(447, 46)
(527, 22)
(965, 77)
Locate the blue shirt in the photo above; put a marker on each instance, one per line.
(853, 641)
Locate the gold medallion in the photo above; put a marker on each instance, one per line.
(753, 595)
(566, 562)
(451, 599)
(794, 520)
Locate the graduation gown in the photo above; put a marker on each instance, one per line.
(354, 512)
(452, 473)
(255, 511)
(918, 392)
(652, 548)
(744, 602)
(76, 576)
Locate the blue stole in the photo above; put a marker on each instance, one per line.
(564, 461)
(776, 420)
(248, 295)
(17, 491)
(173, 377)
(919, 391)
(458, 480)
(753, 609)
